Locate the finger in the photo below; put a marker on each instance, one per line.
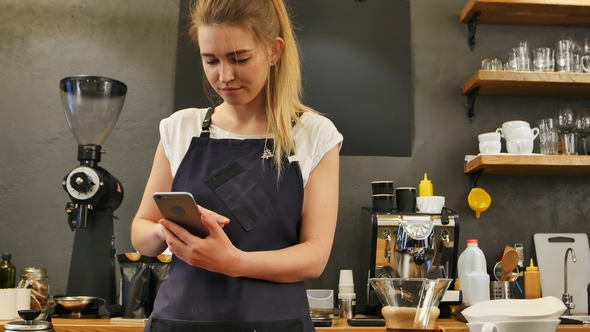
(175, 230)
(175, 245)
(221, 220)
(210, 222)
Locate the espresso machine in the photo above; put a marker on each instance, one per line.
(407, 245)
(92, 105)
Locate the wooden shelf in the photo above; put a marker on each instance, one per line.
(529, 12)
(515, 83)
(529, 164)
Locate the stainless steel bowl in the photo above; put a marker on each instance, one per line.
(76, 304)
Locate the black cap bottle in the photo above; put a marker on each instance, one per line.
(7, 272)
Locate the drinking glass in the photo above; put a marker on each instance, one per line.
(548, 137)
(523, 60)
(586, 55)
(582, 127)
(544, 59)
(491, 64)
(577, 58)
(512, 60)
(565, 123)
(564, 55)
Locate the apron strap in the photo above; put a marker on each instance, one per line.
(205, 132)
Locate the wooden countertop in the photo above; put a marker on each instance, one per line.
(106, 325)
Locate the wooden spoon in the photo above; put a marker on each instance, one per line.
(509, 262)
(507, 249)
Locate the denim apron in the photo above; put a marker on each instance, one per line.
(230, 177)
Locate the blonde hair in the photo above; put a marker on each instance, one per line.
(265, 20)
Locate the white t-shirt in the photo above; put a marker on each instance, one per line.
(314, 135)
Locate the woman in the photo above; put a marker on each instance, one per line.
(264, 170)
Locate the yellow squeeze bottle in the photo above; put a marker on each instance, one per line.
(532, 282)
(425, 187)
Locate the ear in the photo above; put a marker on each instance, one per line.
(276, 50)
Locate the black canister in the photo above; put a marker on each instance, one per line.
(383, 202)
(405, 198)
(382, 187)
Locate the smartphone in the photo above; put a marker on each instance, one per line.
(181, 208)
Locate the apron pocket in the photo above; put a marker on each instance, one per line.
(177, 325)
(242, 195)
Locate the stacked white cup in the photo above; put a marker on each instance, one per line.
(519, 136)
(489, 143)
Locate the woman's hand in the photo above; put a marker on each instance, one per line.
(214, 253)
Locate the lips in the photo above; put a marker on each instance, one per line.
(230, 90)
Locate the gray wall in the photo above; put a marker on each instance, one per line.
(40, 43)
(135, 41)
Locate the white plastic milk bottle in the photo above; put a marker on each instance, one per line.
(474, 281)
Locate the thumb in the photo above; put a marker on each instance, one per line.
(213, 221)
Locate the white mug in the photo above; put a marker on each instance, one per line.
(542, 325)
(519, 146)
(7, 304)
(485, 137)
(509, 126)
(516, 130)
(519, 133)
(523, 132)
(23, 299)
(490, 147)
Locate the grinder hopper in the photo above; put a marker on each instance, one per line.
(92, 106)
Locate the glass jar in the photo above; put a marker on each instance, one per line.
(36, 279)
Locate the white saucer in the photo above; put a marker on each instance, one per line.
(509, 154)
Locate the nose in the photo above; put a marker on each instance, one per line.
(226, 73)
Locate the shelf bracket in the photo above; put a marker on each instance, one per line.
(471, 102)
(471, 26)
(474, 177)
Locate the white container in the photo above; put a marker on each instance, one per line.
(474, 281)
(7, 303)
(320, 298)
(345, 282)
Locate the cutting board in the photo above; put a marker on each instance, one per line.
(551, 248)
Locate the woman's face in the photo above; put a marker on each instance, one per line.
(235, 65)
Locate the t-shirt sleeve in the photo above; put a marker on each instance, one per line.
(176, 132)
(314, 137)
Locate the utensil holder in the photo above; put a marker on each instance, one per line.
(502, 290)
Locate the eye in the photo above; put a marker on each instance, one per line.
(241, 61)
(210, 62)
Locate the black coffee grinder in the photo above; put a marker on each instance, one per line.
(92, 105)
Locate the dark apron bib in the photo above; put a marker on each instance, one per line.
(229, 177)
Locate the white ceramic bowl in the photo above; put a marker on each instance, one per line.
(490, 147)
(430, 204)
(515, 326)
(520, 146)
(486, 137)
(545, 308)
